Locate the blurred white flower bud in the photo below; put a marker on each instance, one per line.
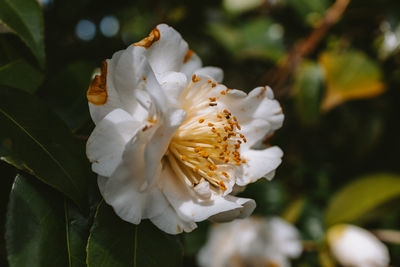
(354, 246)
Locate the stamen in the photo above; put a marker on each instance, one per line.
(200, 150)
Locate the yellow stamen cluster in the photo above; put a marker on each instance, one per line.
(205, 144)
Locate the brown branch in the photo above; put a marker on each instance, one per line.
(279, 78)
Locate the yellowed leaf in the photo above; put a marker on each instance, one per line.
(349, 75)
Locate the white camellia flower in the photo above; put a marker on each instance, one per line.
(356, 247)
(171, 142)
(252, 242)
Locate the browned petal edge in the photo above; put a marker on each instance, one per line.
(154, 36)
(97, 92)
(188, 55)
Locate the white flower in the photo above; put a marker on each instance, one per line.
(354, 246)
(251, 242)
(170, 141)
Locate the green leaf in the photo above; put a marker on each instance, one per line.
(256, 38)
(294, 210)
(73, 81)
(237, 7)
(310, 11)
(35, 230)
(77, 233)
(308, 89)
(36, 136)
(43, 228)
(361, 196)
(19, 74)
(24, 18)
(114, 242)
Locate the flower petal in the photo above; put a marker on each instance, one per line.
(258, 113)
(245, 209)
(124, 191)
(168, 53)
(131, 85)
(285, 237)
(107, 141)
(259, 163)
(158, 144)
(169, 222)
(192, 62)
(187, 207)
(98, 112)
(212, 72)
(173, 84)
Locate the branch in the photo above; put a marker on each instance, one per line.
(278, 78)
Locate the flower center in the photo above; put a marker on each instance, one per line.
(206, 145)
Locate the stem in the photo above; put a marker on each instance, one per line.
(279, 77)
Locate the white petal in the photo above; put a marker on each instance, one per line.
(107, 142)
(169, 222)
(259, 163)
(245, 209)
(173, 84)
(211, 72)
(158, 144)
(98, 112)
(257, 113)
(284, 237)
(129, 77)
(191, 65)
(203, 189)
(168, 53)
(183, 201)
(354, 246)
(123, 189)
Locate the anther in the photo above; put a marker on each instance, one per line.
(195, 79)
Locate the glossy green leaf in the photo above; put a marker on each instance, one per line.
(24, 18)
(114, 242)
(361, 196)
(35, 230)
(43, 228)
(19, 74)
(308, 89)
(37, 137)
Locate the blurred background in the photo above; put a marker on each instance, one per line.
(333, 65)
